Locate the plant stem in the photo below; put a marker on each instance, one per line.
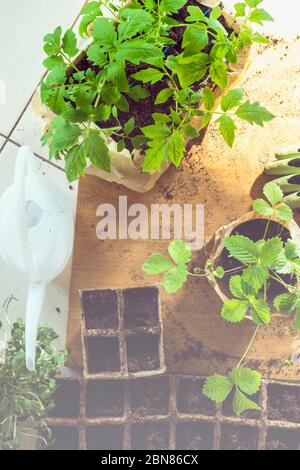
(234, 269)
(266, 229)
(248, 348)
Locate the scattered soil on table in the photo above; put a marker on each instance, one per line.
(142, 110)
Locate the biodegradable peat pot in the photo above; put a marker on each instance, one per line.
(253, 226)
(126, 165)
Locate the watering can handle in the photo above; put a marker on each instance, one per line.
(35, 300)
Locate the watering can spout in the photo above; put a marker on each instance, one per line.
(35, 301)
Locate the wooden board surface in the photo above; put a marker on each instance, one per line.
(197, 340)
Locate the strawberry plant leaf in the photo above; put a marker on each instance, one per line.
(260, 311)
(174, 279)
(262, 207)
(241, 248)
(180, 252)
(283, 213)
(241, 403)
(273, 193)
(248, 380)
(234, 310)
(157, 264)
(217, 388)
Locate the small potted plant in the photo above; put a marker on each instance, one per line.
(254, 267)
(26, 397)
(149, 80)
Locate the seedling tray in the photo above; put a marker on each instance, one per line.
(169, 412)
(122, 332)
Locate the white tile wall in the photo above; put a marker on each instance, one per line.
(55, 311)
(23, 25)
(2, 140)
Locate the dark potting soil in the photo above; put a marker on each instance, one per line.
(283, 439)
(195, 436)
(190, 401)
(150, 396)
(64, 438)
(143, 109)
(103, 354)
(150, 436)
(141, 307)
(238, 437)
(67, 400)
(283, 403)
(143, 352)
(100, 309)
(105, 398)
(255, 230)
(105, 437)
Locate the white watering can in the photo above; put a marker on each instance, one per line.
(36, 237)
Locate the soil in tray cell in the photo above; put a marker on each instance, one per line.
(190, 399)
(105, 437)
(104, 398)
(284, 403)
(283, 439)
(67, 400)
(103, 354)
(150, 396)
(100, 309)
(143, 353)
(195, 436)
(238, 437)
(150, 436)
(64, 438)
(141, 307)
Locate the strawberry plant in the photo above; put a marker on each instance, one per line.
(260, 264)
(148, 72)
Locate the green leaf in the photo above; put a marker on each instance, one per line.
(241, 248)
(236, 288)
(94, 148)
(96, 54)
(195, 39)
(297, 318)
(75, 115)
(208, 99)
(262, 207)
(259, 38)
(102, 112)
(137, 51)
(160, 118)
(65, 136)
(129, 126)
(232, 99)
(52, 42)
(259, 15)
(104, 33)
(283, 213)
(157, 264)
(75, 163)
(174, 279)
(190, 131)
(227, 129)
(241, 403)
(134, 21)
(176, 148)
(261, 314)
(288, 261)
(253, 3)
(156, 132)
(240, 9)
(91, 7)
(254, 113)
(164, 95)
(273, 193)
(196, 14)
(256, 275)
(270, 251)
(217, 388)
(69, 43)
(189, 69)
(248, 380)
(171, 6)
(234, 310)
(286, 303)
(138, 93)
(180, 252)
(218, 73)
(149, 75)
